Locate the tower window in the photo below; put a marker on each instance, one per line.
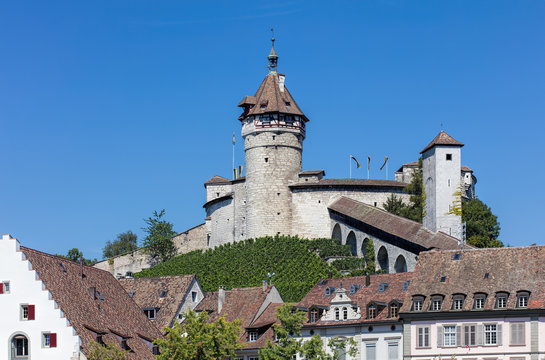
(449, 157)
(274, 137)
(288, 103)
(266, 159)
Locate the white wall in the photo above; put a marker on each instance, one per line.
(26, 289)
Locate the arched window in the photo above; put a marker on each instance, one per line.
(382, 258)
(337, 317)
(345, 313)
(351, 240)
(19, 347)
(337, 232)
(400, 264)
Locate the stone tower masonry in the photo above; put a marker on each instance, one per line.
(441, 166)
(273, 129)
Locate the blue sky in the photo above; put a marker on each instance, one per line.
(110, 110)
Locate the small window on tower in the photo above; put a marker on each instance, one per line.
(288, 103)
(266, 159)
(449, 157)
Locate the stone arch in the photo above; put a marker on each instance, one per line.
(400, 264)
(382, 258)
(337, 234)
(19, 346)
(364, 244)
(351, 240)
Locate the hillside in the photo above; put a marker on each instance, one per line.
(297, 263)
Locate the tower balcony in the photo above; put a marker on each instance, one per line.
(271, 122)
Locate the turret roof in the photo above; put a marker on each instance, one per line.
(442, 139)
(270, 98)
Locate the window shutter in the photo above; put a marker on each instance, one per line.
(52, 340)
(522, 334)
(1, 288)
(31, 312)
(465, 340)
(439, 336)
(479, 334)
(458, 335)
(499, 334)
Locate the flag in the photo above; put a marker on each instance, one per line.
(233, 138)
(240, 170)
(357, 162)
(235, 172)
(385, 160)
(368, 162)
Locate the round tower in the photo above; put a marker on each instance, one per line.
(273, 129)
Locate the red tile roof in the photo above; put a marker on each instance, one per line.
(480, 271)
(395, 290)
(116, 313)
(269, 99)
(147, 294)
(442, 139)
(398, 226)
(217, 180)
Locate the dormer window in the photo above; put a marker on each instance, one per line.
(151, 313)
(337, 312)
(313, 315)
(418, 303)
(501, 300)
(252, 336)
(163, 294)
(382, 287)
(458, 302)
(371, 312)
(287, 103)
(436, 303)
(522, 299)
(394, 310)
(329, 290)
(354, 289)
(479, 301)
(345, 313)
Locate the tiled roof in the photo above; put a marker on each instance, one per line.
(411, 164)
(217, 180)
(264, 322)
(465, 168)
(442, 139)
(269, 99)
(361, 183)
(218, 199)
(487, 271)
(312, 172)
(364, 295)
(116, 313)
(147, 294)
(395, 225)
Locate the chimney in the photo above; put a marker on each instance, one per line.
(221, 298)
(265, 285)
(367, 280)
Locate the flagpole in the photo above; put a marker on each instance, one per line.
(368, 163)
(386, 170)
(234, 150)
(350, 166)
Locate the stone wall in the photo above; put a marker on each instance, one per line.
(220, 222)
(310, 214)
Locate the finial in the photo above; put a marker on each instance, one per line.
(273, 58)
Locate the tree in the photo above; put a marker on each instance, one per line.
(106, 352)
(75, 255)
(126, 242)
(158, 244)
(482, 227)
(394, 205)
(200, 339)
(414, 210)
(286, 346)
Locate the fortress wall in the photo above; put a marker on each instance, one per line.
(222, 222)
(310, 214)
(240, 214)
(216, 191)
(192, 239)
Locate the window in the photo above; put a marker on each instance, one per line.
(517, 334)
(423, 335)
(124, 344)
(501, 300)
(458, 302)
(522, 299)
(253, 358)
(193, 296)
(406, 285)
(479, 301)
(19, 346)
(370, 351)
(449, 157)
(151, 313)
(470, 338)
(337, 316)
(393, 351)
(394, 310)
(163, 293)
(418, 303)
(491, 334)
(252, 336)
(449, 335)
(4, 287)
(372, 312)
(345, 313)
(443, 278)
(382, 287)
(131, 293)
(354, 289)
(27, 312)
(49, 340)
(313, 315)
(436, 303)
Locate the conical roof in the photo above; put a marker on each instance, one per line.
(442, 139)
(271, 97)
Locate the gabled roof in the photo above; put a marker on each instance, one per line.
(147, 294)
(217, 180)
(398, 226)
(480, 271)
(411, 164)
(89, 314)
(442, 139)
(396, 290)
(361, 183)
(269, 98)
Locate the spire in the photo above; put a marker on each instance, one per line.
(273, 58)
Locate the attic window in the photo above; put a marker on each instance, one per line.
(371, 312)
(329, 290)
(100, 296)
(263, 106)
(252, 336)
(479, 301)
(288, 103)
(406, 285)
(353, 289)
(418, 303)
(313, 315)
(151, 313)
(486, 275)
(443, 278)
(394, 310)
(501, 300)
(62, 267)
(163, 293)
(131, 294)
(522, 299)
(436, 303)
(456, 257)
(382, 287)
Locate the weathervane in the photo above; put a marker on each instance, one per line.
(273, 58)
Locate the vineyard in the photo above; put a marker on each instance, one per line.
(297, 263)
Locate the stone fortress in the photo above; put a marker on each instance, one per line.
(276, 197)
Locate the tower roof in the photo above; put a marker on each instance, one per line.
(271, 97)
(442, 139)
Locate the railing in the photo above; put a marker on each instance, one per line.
(297, 125)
